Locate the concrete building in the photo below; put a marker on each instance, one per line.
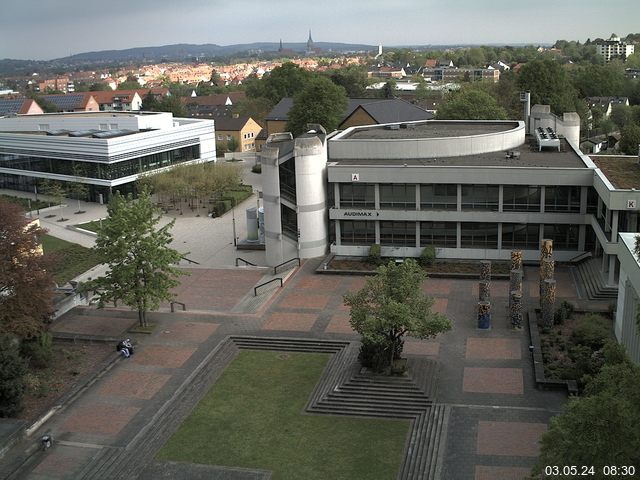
(614, 48)
(472, 189)
(108, 151)
(626, 327)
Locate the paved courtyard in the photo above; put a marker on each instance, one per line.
(497, 414)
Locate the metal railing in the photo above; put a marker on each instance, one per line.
(255, 289)
(275, 269)
(173, 303)
(247, 262)
(190, 261)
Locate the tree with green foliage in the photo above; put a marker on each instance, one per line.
(470, 104)
(150, 103)
(141, 264)
(25, 284)
(78, 188)
(630, 140)
(389, 89)
(389, 306)
(548, 83)
(601, 428)
(12, 371)
(353, 79)
(320, 101)
(621, 115)
(57, 192)
(232, 144)
(173, 104)
(284, 81)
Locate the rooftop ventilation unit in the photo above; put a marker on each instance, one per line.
(547, 138)
(82, 133)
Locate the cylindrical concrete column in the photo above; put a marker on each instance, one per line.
(546, 248)
(515, 282)
(252, 224)
(515, 309)
(485, 270)
(516, 259)
(484, 293)
(547, 271)
(484, 315)
(271, 201)
(548, 302)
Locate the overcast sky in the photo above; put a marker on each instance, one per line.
(46, 29)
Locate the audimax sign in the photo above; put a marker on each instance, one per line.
(360, 213)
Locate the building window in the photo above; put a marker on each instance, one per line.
(287, 174)
(357, 195)
(520, 198)
(289, 220)
(353, 232)
(398, 234)
(520, 236)
(562, 199)
(438, 234)
(398, 195)
(220, 137)
(439, 197)
(565, 237)
(479, 235)
(480, 197)
(592, 201)
(228, 137)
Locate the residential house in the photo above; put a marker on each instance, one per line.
(19, 106)
(118, 100)
(211, 105)
(73, 102)
(606, 104)
(614, 48)
(243, 129)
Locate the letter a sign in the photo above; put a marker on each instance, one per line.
(355, 177)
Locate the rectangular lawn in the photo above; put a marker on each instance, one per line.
(253, 417)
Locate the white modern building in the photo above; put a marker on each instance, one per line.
(108, 151)
(626, 325)
(472, 189)
(614, 48)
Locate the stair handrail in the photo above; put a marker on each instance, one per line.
(275, 269)
(255, 289)
(247, 262)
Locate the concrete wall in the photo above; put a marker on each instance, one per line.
(625, 327)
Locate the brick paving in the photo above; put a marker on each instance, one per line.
(509, 438)
(493, 348)
(497, 415)
(493, 380)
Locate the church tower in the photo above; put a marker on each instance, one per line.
(310, 46)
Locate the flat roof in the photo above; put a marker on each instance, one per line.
(622, 171)
(529, 156)
(430, 129)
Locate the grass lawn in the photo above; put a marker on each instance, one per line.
(253, 417)
(92, 226)
(70, 259)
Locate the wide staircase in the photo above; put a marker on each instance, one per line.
(593, 282)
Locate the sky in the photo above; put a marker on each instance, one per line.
(47, 29)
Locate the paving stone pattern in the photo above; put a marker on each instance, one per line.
(482, 417)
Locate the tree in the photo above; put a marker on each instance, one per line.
(141, 270)
(284, 81)
(172, 104)
(321, 101)
(56, 191)
(389, 306)
(621, 115)
(630, 139)
(470, 104)
(232, 144)
(389, 89)
(150, 102)
(77, 187)
(12, 371)
(25, 285)
(599, 429)
(549, 85)
(352, 78)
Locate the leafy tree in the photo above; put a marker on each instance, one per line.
(353, 79)
(389, 89)
(284, 81)
(129, 85)
(470, 104)
(57, 192)
(77, 187)
(46, 105)
(621, 115)
(12, 371)
(232, 144)
(141, 270)
(601, 427)
(257, 108)
(100, 87)
(150, 102)
(172, 104)
(549, 85)
(25, 285)
(321, 101)
(391, 305)
(598, 80)
(630, 139)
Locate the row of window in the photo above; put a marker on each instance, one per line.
(515, 198)
(104, 171)
(444, 234)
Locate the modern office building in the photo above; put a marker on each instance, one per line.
(472, 189)
(108, 151)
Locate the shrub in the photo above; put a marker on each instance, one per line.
(592, 331)
(564, 312)
(12, 371)
(428, 256)
(257, 168)
(375, 356)
(375, 255)
(38, 351)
